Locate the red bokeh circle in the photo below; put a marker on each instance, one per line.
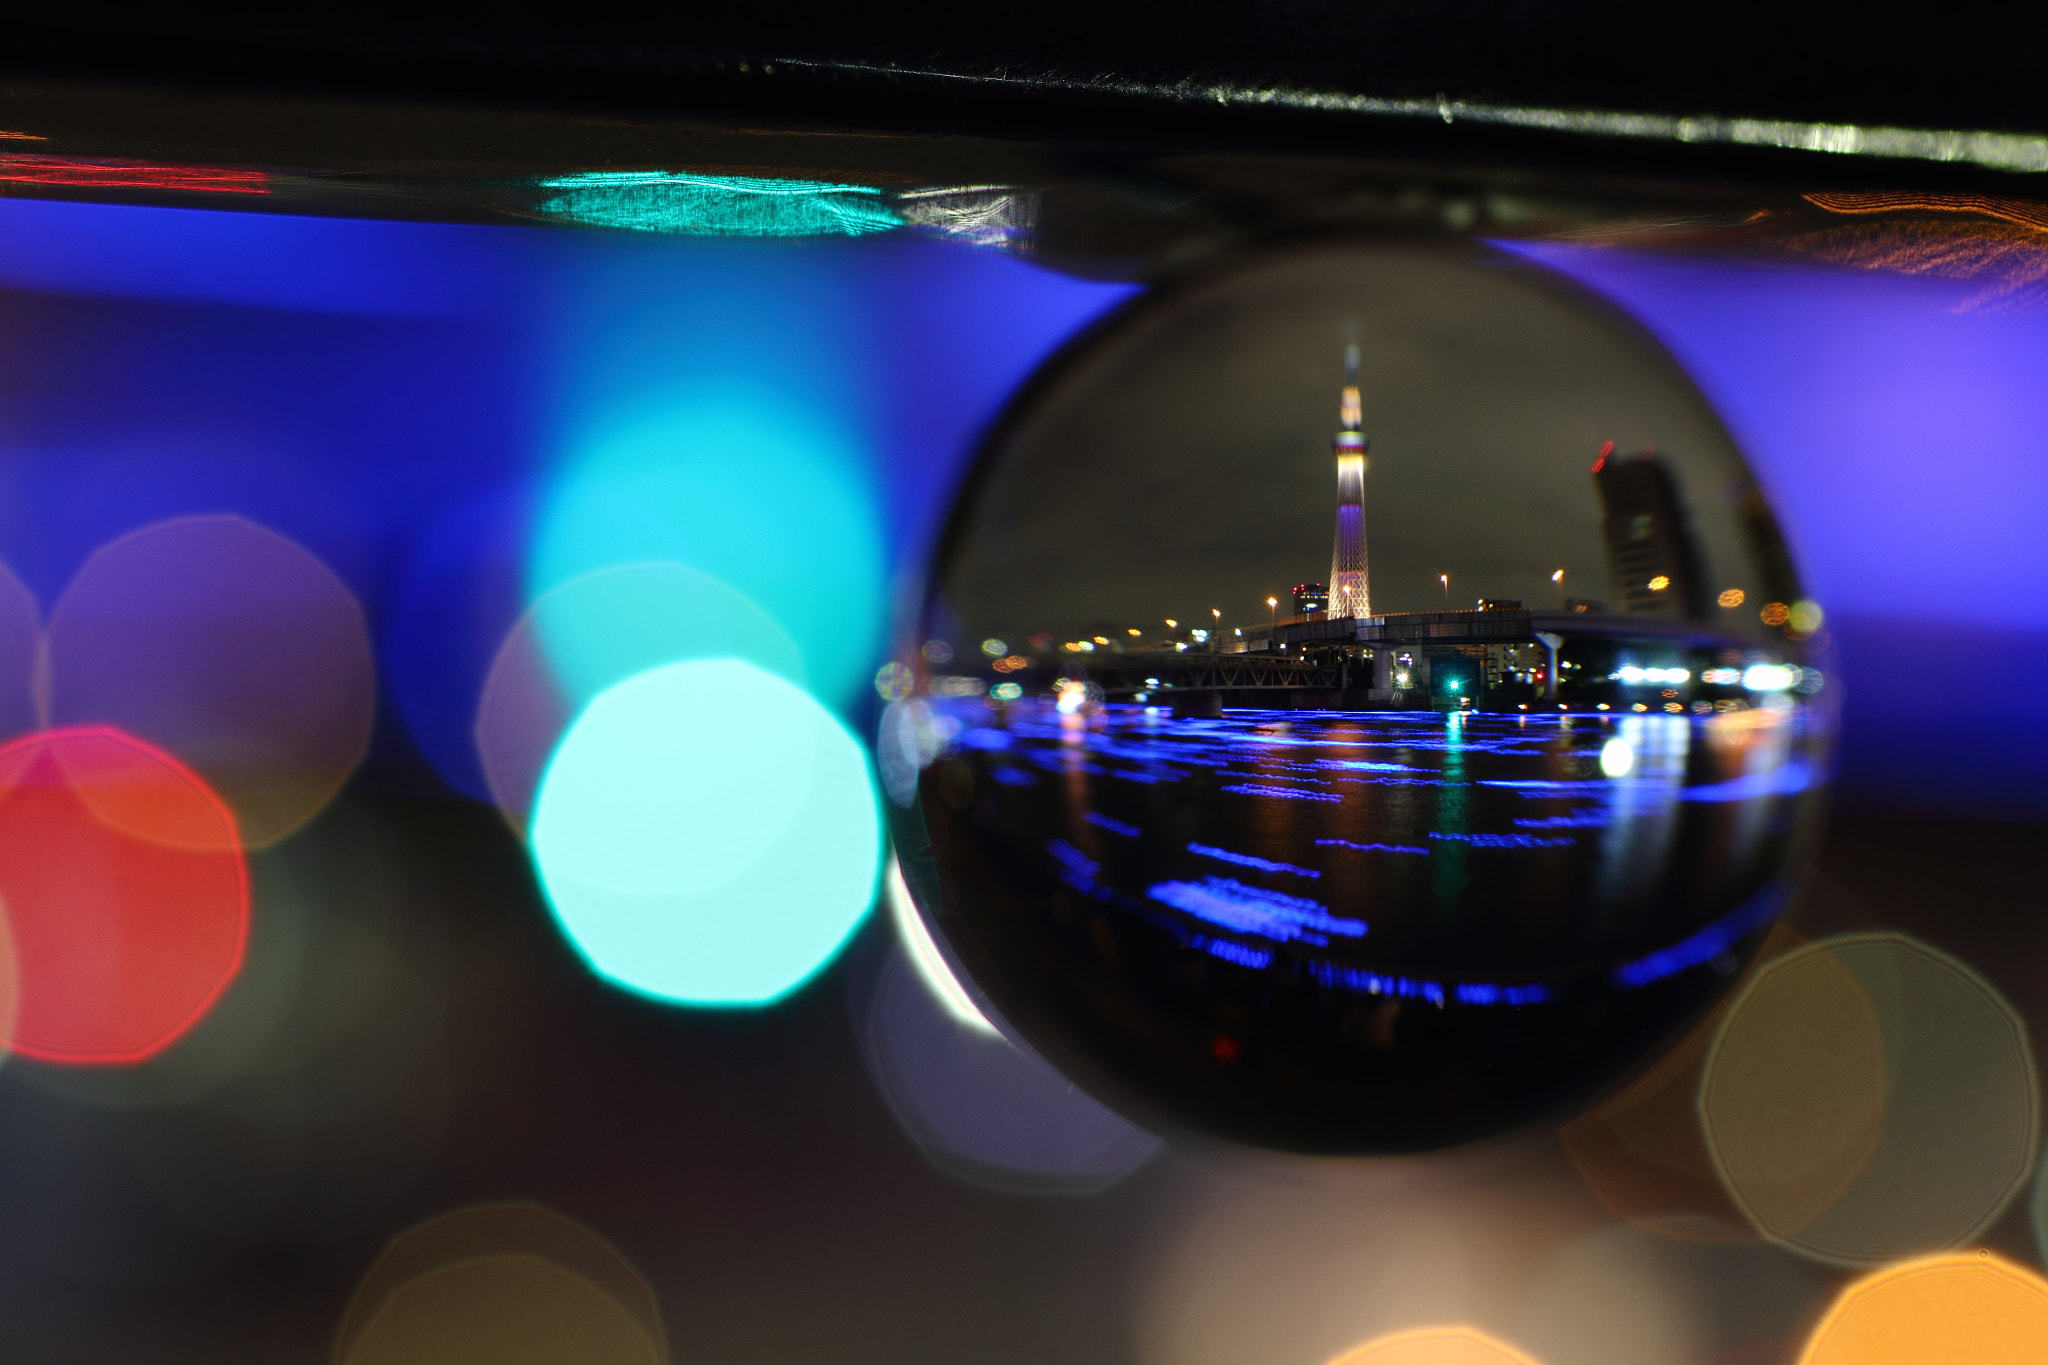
(125, 892)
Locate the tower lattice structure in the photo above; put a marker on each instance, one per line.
(1350, 591)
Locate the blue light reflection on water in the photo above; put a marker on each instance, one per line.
(1229, 903)
(1750, 763)
(1249, 860)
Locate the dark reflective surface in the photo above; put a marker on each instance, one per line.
(1367, 813)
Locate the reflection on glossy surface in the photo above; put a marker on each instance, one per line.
(983, 1109)
(1385, 871)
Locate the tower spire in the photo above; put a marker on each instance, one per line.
(1350, 591)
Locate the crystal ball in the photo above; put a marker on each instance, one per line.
(1361, 702)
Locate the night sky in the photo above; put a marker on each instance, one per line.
(1185, 463)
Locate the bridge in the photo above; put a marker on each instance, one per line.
(1127, 675)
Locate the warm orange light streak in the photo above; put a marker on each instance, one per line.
(1963, 1309)
(9, 135)
(2024, 212)
(1435, 1346)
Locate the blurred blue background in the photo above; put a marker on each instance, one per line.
(459, 419)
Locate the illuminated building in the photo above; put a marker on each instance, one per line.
(1350, 594)
(1310, 597)
(1653, 561)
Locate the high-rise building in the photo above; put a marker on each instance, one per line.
(1350, 593)
(1653, 558)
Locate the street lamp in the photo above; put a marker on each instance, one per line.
(1272, 606)
(1445, 579)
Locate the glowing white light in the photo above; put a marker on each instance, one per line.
(1617, 757)
(1008, 691)
(1722, 677)
(706, 832)
(925, 956)
(1770, 677)
(1072, 695)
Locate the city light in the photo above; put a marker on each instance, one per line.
(1133, 631)
(1659, 583)
(1636, 677)
(1721, 677)
(995, 649)
(894, 682)
(1775, 614)
(1557, 577)
(1734, 597)
(1172, 624)
(1006, 691)
(1770, 677)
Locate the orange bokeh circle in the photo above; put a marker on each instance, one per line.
(1964, 1309)
(1435, 1346)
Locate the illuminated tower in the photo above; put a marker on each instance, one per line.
(1349, 593)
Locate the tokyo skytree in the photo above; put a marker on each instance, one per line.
(1350, 593)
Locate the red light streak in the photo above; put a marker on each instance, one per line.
(103, 173)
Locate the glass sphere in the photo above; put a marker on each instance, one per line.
(1361, 703)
